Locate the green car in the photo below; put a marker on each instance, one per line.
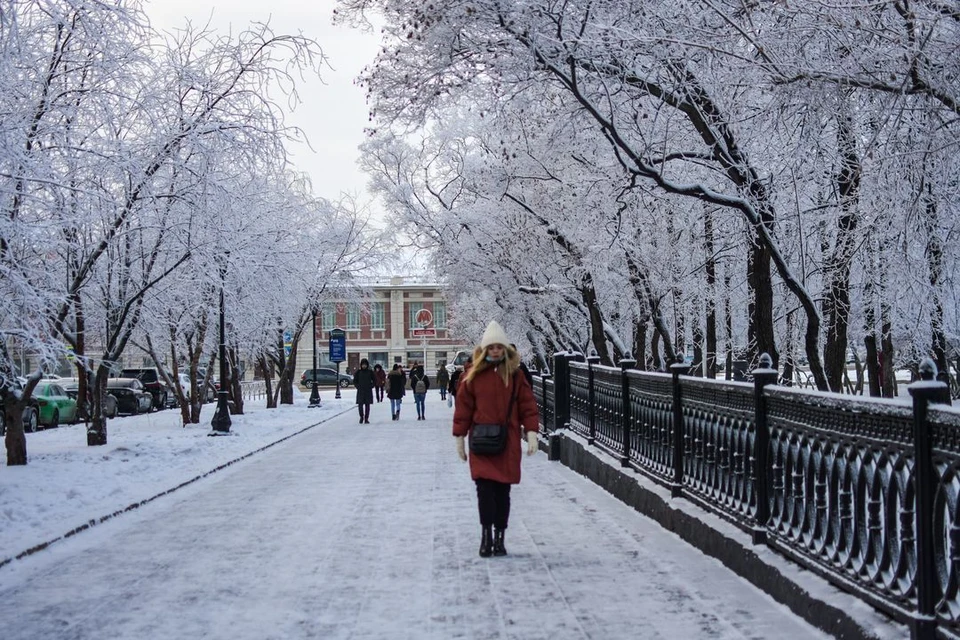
(54, 404)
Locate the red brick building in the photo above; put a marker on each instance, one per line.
(387, 327)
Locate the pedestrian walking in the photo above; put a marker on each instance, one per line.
(452, 387)
(396, 389)
(419, 384)
(491, 394)
(443, 379)
(380, 380)
(364, 381)
(523, 367)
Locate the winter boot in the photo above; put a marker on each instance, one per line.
(486, 542)
(498, 548)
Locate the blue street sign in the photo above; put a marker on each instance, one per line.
(338, 345)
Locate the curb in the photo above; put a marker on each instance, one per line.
(136, 505)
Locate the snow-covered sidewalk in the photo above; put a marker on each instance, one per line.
(66, 484)
(370, 531)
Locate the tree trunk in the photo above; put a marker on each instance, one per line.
(643, 292)
(888, 384)
(640, 343)
(728, 326)
(267, 367)
(236, 387)
(935, 273)
(710, 268)
(16, 440)
(837, 299)
(656, 362)
(597, 334)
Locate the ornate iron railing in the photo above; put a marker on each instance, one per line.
(863, 491)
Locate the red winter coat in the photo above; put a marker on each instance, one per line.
(484, 400)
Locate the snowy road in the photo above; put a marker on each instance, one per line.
(370, 531)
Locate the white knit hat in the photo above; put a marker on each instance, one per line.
(494, 334)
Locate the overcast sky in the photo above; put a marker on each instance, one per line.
(333, 113)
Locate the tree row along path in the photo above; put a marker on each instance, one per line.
(370, 531)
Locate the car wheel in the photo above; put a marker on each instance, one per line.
(344, 384)
(55, 420)
(32, 422)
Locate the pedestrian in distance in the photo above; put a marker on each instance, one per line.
(491, 391)
(396, 389)
(523, 367)
(380, 378)
(452, 386)
(443, 379)
(364, 380)
(419, 384)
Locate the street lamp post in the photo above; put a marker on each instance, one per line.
(221, 417)
(314, 392)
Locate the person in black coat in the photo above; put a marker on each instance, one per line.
(396, 389)
(454, 381)
(364, 380)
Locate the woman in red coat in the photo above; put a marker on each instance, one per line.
(483, 397)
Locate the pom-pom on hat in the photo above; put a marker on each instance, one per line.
(494, 334)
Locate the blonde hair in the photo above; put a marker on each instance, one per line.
(511, 362)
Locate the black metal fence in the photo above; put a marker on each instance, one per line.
(863, 491)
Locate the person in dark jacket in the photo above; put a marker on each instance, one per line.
(380, 376)
(364, 380)
(443, 379)
(396, 389)
(492, 391)
(523, 368)
(454, 381)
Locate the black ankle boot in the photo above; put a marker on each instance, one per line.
(498, 548)
(486, 542)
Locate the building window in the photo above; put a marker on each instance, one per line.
(440, 315)
(327, 316)
(414, 356)
(353, 317)
(377, 317)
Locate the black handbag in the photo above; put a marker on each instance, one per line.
(491, 439)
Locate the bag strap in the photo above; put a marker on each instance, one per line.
(513, 396)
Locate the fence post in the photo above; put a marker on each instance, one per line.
(924, 393)
(561, 390)
(626, 364)
(592, 360)
(764, 375)
(677, 370)
(544, 377)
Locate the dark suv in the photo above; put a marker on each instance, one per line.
(152, 381)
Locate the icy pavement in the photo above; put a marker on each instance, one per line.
(370, 531)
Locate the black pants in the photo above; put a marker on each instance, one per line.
(379, 394)
(364, 410)
(493, 500)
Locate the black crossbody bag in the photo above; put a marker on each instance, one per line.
(491, 439)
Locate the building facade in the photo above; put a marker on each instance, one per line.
(403, 321)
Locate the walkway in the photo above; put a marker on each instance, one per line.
(370, 532)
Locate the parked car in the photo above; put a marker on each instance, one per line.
(459, 360)
(131, 397)
(54, 404)
(31, 413)
(72, 387)
(325, 377)
(153, 382)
